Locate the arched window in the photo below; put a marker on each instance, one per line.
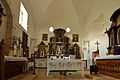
(23, 17)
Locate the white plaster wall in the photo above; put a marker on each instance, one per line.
(98, 21)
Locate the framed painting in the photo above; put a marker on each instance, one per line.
(44, 37)
(75, 38)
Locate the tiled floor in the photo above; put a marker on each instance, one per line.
(41, 75)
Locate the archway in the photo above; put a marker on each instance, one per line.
(9, 25)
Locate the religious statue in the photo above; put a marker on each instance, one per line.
(1, 13)
(14, 47)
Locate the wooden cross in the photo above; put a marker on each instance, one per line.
(97, 43)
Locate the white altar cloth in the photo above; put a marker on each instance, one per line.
(73, 64)
(41, 62)
(12, 58)
(109, 57)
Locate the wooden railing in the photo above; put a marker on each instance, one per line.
(110, 67)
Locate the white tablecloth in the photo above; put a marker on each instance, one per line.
(12, 58)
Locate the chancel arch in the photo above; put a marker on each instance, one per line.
(8, 25)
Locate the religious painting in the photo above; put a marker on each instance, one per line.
(75, 37)
(44, 37)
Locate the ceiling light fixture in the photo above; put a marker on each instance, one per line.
(51, 29)
(67, 29)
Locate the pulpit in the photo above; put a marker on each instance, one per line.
(110, 64)
(114, 34)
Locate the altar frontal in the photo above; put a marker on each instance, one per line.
(75, 64)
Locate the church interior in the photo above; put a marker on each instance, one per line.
(59, 39)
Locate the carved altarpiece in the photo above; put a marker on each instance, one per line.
(59, 43)
(42, 50)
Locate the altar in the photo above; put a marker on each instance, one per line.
(63, 56)
(109, 65)
(61, 64)
(14, 65)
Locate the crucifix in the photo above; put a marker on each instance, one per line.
(97, 43)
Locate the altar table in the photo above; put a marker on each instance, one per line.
(73, 64)
(14, 66)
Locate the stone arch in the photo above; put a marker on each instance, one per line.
(9, 26)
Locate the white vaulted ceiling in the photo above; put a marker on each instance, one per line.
(60, 13)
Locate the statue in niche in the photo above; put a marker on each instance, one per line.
(76, 49)
(42, 49)
(71, 51)
(60, 50)
(14, 49)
